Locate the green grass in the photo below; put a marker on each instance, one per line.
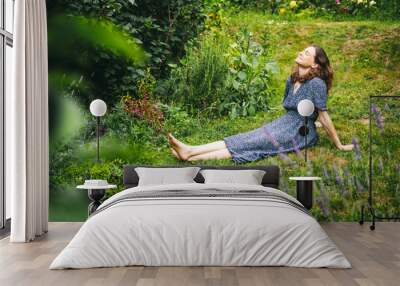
(365, 56)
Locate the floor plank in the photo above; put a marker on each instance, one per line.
(374, 255)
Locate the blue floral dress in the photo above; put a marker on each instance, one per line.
(281, 135)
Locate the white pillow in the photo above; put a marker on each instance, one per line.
(165, 176)
(249, 177)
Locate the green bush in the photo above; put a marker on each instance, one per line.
(198, 82)
(120, 124)
(178, 121)
(220, 76)
(247, 86)
(161, 27)
(77, 172)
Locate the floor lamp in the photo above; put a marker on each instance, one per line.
(304, 184)
(98, 108)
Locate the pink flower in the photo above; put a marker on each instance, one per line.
(337, 2)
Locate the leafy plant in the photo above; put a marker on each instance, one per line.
(216, 12)
(178, 121)
(144, 109)
(127, 127)
(198, 82)
(111, 171)
(247, 86)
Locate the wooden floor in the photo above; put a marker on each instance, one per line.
(375, 257)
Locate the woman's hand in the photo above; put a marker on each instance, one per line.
(348, 147)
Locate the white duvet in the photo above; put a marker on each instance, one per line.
(200, 231)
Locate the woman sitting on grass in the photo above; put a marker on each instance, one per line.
(311, 79)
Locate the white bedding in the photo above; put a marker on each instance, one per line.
(200, 231)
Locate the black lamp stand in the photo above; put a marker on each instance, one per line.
(98, 138)
(303, 130)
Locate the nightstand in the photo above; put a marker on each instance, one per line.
(95, 194)
(304, 190)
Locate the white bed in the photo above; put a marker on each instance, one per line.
(204, 230)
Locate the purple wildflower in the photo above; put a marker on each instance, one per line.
(378, 117)
(337, 2)
(359, 187)
(337, 174)
(323, 206)
(323, 200)
(326, 173)
(271, 138)
(345, 187)
(283, 155)
(274, 142)
(374, 109)
(347, 175)
(296, 148)
(346, 172)
(356, 148)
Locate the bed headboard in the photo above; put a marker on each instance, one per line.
(270, 179)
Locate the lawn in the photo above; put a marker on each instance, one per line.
(365, 56)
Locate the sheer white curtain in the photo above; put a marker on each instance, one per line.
(27, 120)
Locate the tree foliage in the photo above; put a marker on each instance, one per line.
(160, 27)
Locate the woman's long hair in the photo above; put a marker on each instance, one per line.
(323, 70)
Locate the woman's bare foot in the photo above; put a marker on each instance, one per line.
(182, 150)
(175, 154)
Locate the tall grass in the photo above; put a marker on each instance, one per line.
(198, 82)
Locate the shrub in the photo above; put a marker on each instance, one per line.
(144, 109)
(178, 121)
(217, 79)
(77, 172)
(247, 86)
(161, 27)
(198, 82)
(122, 125)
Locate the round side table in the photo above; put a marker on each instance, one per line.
(95, 194)
(304, 190)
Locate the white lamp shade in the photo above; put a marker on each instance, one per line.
(98, 107)
(305, 107)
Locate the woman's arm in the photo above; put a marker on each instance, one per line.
(330, 129)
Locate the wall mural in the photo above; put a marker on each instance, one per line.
(206, 82)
